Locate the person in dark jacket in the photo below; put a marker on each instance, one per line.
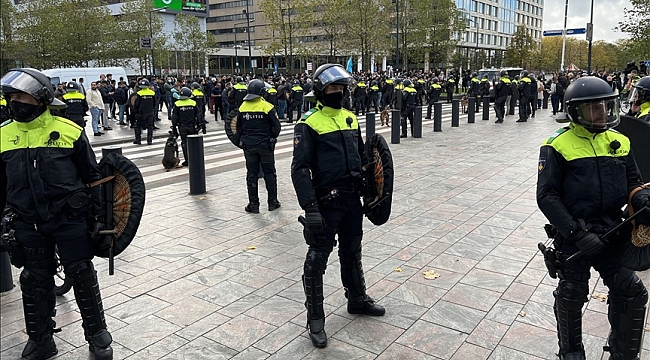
(295, 101)
(409, 100)
(76, 103)
(121, 97)
(433, 95)
(186, 119)
(144, 107)
(524, 88)
(586, 174)
(259, 127)
(47, 189)
(502, 90)
(329, 160)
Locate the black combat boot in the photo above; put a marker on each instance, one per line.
(253, 199)
(271, 182)
(355, 288)
(627, 318)
(313, 286)
(274, 204)
(573, 356)
(89, 300)
(569, 298)
(39, 299)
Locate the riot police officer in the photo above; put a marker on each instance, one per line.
(295, 100)
(259, 127)
(502, 90)
(236, 96)
(475, 90)
(524, 88)
(409, 98)
(640, 99)
(433, 95)
(3, 108)
(387, 93)
(144, 107)
(76, 103)
(581, 193)
(327, 175)
(360, 93)
(186, 119)
(47, 190)
(199, 97)
(372, 96)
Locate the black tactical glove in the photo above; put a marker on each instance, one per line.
(588, 242)
(314, 220)
(98, 225)
(639, 200)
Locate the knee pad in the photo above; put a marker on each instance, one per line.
(570, 296)
(251, 179)
(315, 263)
(36, 283)
(81, 271)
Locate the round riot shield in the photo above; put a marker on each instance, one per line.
(230, 125)
(379, 176)
(128, 201)
(638, 131)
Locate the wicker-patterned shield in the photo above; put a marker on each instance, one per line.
(379, 176)
(128, 201)
(635, 253)
(231, 128)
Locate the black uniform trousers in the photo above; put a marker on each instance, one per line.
(627, 299)
(144, 121)
(500, 107)
(408, 113)
(297, 106)
(184, 131)
(256, 158)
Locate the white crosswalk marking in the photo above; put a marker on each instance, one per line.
(224, 158)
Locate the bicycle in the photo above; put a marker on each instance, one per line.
(62, 283)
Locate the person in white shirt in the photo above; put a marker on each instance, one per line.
(96, 105)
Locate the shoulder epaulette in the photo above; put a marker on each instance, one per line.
(309, 113)
(559, 132)
(7, 122)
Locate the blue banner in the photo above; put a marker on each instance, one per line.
(349, 67)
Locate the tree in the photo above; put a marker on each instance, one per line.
(7, 32)
(520, 47)
(367, 25)
(194, 42)
(637, 26)
(327, 18)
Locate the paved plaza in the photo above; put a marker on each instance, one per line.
(205, 280)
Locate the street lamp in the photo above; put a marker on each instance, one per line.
(235, 46)
(248, 32)
(396, 2)
(153, 62)
(469, 20)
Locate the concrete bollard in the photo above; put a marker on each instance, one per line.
(395, 131)
(486, 108)
(455, 112)
(370, 124)
(417, 122)
(471, 107)
(437, 116)
(196, 163)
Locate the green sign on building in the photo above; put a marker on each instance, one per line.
(171, 4)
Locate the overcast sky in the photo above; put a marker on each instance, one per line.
(607, 14)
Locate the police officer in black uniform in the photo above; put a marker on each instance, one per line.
(76, 103)
(372, 96)
(46, 189)
(475, 90)
(327, 175)
(259, 127)
(186, 119)
(295, 101)
(237, 94)
(360, 93)
(502, 90)
(144, 106)
(640, 99)
(586, 174)
(433, 95)
(409, 96)
(199, 97)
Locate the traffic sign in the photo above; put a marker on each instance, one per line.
(552, 33)
(145, 43)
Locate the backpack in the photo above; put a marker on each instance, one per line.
(559, 89)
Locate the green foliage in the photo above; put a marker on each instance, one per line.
(604, 55)
(520, 48)
(637, 26)
(7, 35)
(192, 41)
(367, 24)
(285, 21)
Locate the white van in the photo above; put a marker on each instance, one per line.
(89, 75)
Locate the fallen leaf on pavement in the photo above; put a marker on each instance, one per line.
(398, 269)
(252, 247)
(522, 313)
(431, 275)
(599, 296)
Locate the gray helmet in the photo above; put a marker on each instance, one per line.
(239, 79)
(503, 73)
(408, 82)
(143, 84)
(196, 85)
(524, 73)
(72, 86)
(32, 82)
(255, 89)
(435, 80)
(186, 93)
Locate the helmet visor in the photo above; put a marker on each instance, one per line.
(601, 114)
(633, 96)
(334, 75)
(14, 81)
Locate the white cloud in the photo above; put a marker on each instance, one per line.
(607, 15)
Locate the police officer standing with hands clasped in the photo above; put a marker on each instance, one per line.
(259, 127)
(186, 119)
(48, 164)
(587, 172)
(327, 172)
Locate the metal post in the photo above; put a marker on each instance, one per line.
(370, 124)
(196, 164)
(417, 122)
(236, 57)
(454, 112)
(471, 107)
(6, 278)
(395, 131)
(107, 195)
(153, 62)
(437, 116)
(248, 31)
(590, 37)
(397, 52)
(486, 108)
(566, 12)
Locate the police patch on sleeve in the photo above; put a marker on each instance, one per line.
(296, 139)
(541, 165)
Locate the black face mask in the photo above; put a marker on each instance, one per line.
(25, 112)
(333, 100)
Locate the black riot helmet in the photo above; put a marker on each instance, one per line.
(373, 83)
(186, 93)
(640, 91)
(524, 73)
(591, 102)
(435, 79)
(408, 82)
(72, 86)
(255, 89)
(328, 74)
(239, 79)
(196, 85)
(32, 82)
(503, 73)
(474, 74)
(296, 82)
(143, 84)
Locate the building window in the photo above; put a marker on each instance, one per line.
(231, 4)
